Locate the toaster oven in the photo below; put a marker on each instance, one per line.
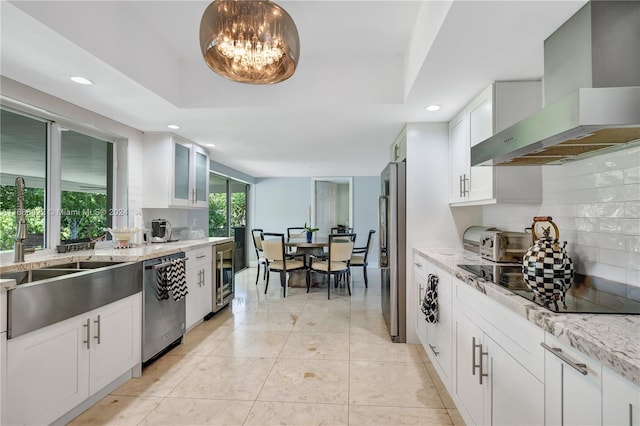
(501, 246)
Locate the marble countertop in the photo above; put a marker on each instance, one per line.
(613, 340)
(45, 258)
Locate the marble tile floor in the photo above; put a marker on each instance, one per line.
(300, 360)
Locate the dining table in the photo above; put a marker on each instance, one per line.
(314, 248)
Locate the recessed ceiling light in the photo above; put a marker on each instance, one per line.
(433, 107)
(211, 145)
(173, 126)
(81, 80)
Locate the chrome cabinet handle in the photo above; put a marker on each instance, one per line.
(88, 333)
(465, 179)
(420, 288)
(460, 186)
(97, 322)
(433, 349)
(482, 373)
(580, 367)
(473, 356)
(418, 265)
(201, 256)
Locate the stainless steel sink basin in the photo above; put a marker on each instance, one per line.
(24, 277)
(50, 295)
(83, 265)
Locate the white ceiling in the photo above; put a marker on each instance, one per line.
(355, 87)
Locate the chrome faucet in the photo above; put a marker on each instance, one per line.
(21, 223)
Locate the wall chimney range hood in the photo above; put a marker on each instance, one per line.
(591, 92)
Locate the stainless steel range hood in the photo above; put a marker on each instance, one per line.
(592, 92)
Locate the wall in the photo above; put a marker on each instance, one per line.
(278, 203)
(431, 223)
(596, 205)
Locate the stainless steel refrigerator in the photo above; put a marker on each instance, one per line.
(392, 249)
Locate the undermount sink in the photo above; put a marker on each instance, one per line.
(25, 277)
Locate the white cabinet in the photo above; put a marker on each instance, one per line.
(492, 386)
(200, 285)
(176, 172)
(573, 386)
(435, 337)
(497, 107)
(399, 147)
(620, 400)
(54, 369)
(498, 362)
(470, 383)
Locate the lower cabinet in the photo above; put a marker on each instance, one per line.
(491, 384)
(435, 337)
(620, 400)
(501, 369)
(200, 284)
(573, 386)
(52, 370)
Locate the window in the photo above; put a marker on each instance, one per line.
(86, 176)
(227, 205)
(68, 176)
(23, 152)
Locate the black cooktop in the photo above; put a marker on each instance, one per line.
(590, 295)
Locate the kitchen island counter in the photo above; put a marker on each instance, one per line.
(47, 258)
(612, 340)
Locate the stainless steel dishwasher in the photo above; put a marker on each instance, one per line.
(163, 318)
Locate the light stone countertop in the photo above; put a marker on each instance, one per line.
(45, 258)
(613, 340)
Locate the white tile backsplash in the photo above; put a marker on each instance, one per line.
(596, 205)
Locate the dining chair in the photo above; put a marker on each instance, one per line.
(256, 234)
(341, 230)
(360, 256)
(278, 261)
(296, 235)
(336, 262)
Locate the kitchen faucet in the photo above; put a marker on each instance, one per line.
(21, 223)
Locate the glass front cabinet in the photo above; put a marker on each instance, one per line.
(176, 172)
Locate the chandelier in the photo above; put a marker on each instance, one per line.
(250, 41)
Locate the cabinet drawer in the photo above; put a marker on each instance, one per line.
(420, 265)
(520, 338)
(200, 255)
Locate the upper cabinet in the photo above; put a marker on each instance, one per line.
(176, 172)
(399, 147)
(499, 106)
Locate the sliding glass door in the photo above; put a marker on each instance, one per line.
(228, 213)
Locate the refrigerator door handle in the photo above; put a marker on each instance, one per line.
(383, 259)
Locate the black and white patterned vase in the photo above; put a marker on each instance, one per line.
(547, 270)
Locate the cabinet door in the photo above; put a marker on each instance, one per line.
(200, 188)
(116, 341)
(480, 128)
(206, 289)
(47, 372)
(458, 158)
(468, 372)
(517, 397)
(421, 287)
(194, 282)
(439, 345)
(571, 398)
(181, 174)
(620, 400)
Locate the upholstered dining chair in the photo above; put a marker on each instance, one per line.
(256, 234)
(360, 256)
(278, 260)
(296, 235)
(336, 262)
(341, 230)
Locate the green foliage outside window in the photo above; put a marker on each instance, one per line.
(83, 214)
(218, 212)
